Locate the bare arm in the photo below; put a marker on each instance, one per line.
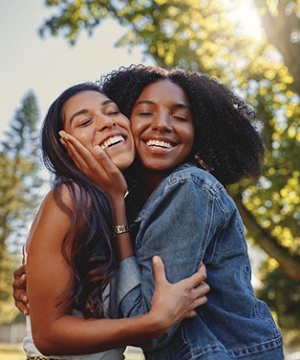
(56, 331)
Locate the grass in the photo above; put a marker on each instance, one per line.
(16, 352)
(12, 352)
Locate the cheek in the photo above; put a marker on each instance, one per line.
(132, 141)
(135, 132)
(187, 135)
(84, 137)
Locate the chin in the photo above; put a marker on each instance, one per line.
(123, 163)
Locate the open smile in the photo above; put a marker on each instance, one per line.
(112, 141)
(159, 144)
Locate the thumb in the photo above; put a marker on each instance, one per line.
(159, 270)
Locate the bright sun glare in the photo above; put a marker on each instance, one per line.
(248, 18)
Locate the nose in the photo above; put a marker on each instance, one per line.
(105, 122)
(162, 122)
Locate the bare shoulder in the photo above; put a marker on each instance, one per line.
(62, 195)
(51, 219)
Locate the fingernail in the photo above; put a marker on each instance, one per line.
(155, 259)
(63, 134)
(98, 148)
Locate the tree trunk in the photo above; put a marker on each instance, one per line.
(288, 262)
(279, 28)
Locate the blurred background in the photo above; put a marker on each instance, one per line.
(252, 46)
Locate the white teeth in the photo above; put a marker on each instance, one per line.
(111, 141)
(159, 143)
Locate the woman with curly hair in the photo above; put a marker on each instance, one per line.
(193, 137)
(71, 252)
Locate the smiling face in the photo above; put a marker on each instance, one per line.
(94, 119)
(162, 126)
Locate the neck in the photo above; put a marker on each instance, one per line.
(149, 180)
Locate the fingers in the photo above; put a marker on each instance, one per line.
(19, 271)
(197, 278)
(22, 307)
(199, 295)
(197, 289)
(20, 283)
(191, 314)
(19, 290)
(104, 160)
(159, 270)
(79, 153)
(202, 268)
(87, 160)
(201, 273)
(20, 278)
(20, 296)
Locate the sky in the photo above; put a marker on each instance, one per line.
(48, 66)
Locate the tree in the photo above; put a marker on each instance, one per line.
(20, 182)
(197, 35)
(285, 36)
(282, 294)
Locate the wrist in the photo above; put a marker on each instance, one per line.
(157, 327)
(119, 212)
(121, 229)
(116, 199)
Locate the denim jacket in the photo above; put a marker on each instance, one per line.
(189, 219)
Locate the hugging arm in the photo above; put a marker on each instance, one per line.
(135, 278)
(54, 328)
(170, 303)
(180, 233)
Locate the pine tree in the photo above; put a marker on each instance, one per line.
(20, 183)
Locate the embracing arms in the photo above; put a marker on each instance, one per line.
(56, 331)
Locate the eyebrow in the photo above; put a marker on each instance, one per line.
(84, 111)
(177, 105)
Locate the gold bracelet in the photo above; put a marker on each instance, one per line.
(121, 229)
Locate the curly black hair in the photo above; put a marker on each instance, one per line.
(226, 142)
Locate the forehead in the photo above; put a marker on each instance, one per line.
(84, 98)
(163, 90)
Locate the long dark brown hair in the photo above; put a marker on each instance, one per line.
(92, 259)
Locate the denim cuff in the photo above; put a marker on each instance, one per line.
(126, 278)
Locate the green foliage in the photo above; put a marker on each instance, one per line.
(20, 182)
(282, 294)
(198, 35)
(7, 309)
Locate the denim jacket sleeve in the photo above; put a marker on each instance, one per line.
(180, 222)
(126, 279)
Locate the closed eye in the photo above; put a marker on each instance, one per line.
(84, 122)
(116, 112)
(111, 109)
(180, 118)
